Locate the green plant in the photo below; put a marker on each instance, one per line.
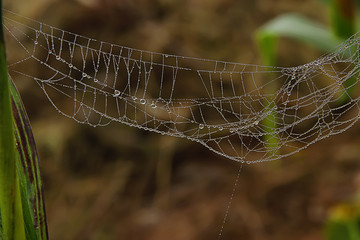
(344, 219)
(324, 38)
(303, 29)
(343, 223)
(21, 202)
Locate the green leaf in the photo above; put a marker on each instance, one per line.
(28, 172)
(12, 222)
(300, 28)
(343, 223)
(267, 44)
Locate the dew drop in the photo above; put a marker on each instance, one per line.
(133, 98)
(142, 101)
(275, 107)
(201, 126)
(220, 128)
(153, 105)
(84, 75)
(36, 42)
(50, 52)
(57, 57)
(168, 110)
(70, 65)
(96, 81)
(116, 93)
(166, 55)
(256, 122)
(232, 130)
(289, 93)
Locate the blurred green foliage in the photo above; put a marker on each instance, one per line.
(344, 223)
(344, 220)
(303, 29)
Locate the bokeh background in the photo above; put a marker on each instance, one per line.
(118, 182)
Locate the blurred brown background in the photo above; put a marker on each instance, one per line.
(119, 182)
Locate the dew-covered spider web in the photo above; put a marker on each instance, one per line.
(247, 113)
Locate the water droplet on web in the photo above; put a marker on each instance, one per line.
(84, 75)
(116, 93)
(168, 110)
(36, 42)
(201, 126)
(142, 101)
(70, 65)
(57, 57)
(153, 105)
(232, 130)
(166, 55)
(220, 128)
(50, 52)
(289, 93)
(275, 107)
(256, 122)
(96, 81)
(133, 98)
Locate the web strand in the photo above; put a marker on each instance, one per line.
(230, 202)
(247, 113)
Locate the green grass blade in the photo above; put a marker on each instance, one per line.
(302, 29)
(28, 172)
(267, 44)
(10, 203)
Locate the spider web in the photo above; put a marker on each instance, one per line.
(247, 113)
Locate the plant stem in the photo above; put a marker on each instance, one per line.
(10, 203)
(342, 16)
